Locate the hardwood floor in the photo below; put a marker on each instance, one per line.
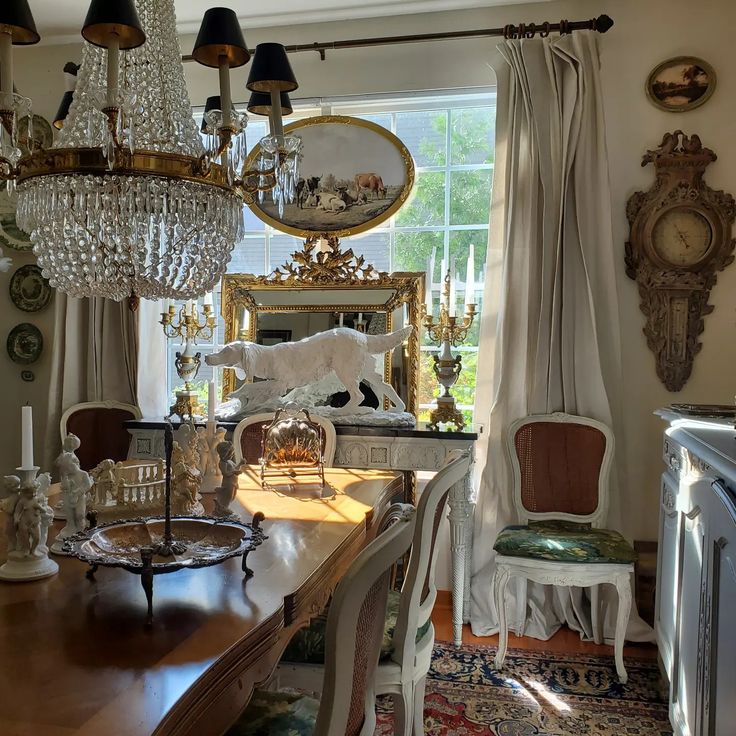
(565, 640)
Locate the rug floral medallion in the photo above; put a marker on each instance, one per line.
(537, 694)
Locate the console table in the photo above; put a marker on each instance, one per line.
(386, 448)
(696, 574)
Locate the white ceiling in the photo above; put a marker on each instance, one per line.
(59, 21)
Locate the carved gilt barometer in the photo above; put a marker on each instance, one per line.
(680, 236)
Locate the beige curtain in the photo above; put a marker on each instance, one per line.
(550, 327)
(95, 358)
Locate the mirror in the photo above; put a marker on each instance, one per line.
(320, 289)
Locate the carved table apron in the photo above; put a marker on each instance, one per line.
(407, 450)
(77, 658)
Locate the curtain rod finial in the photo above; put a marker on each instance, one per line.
(603, 23)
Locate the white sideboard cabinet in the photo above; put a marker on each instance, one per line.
(695, 612)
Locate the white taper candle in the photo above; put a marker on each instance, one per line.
(113, 70)
(211, 399)
(470, 278)
(6, 64)
(452, 306)
(226, 98)
(26, 453)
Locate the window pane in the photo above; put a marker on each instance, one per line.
(460, 241)
(375, 247)
(251, 221)
(412, 250)
(425, 135)
(470, 197)
(249, 256)
(427, 203)
(383, 119)
(281, 248)
(472, 135)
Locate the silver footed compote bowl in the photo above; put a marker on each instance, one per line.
(163, 544)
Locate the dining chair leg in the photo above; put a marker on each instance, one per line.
(404, 710)
(500, 581)
(623, 586)
(595, 613)
(521, 607)
(418, 719)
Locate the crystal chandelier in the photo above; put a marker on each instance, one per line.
(129, 202)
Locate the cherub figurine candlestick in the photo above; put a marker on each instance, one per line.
(230, 470)
(209, 438)
(448, 332)
(28, 517)
(75, 486)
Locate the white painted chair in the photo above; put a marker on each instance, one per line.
(353, 641)
(561, 465)
(404, 674)
(408, 631)
(99, 426)
(249, 431)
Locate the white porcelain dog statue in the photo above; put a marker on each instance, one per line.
(346, 352)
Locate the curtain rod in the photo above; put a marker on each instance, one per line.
(601, 24)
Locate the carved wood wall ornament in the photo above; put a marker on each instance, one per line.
(680, 236)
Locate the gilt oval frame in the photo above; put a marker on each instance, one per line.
(308, 124)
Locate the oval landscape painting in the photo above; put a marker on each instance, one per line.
(353, 175)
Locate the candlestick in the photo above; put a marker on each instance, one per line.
(470, 278)
(428, 306)
(452, 306)
(208, 299)
(341, 318)
(26, 438)
(360, 317)
(211, 401)
(113, 69)
(278, 124)
(443, 273)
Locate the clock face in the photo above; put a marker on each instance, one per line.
(682, 236)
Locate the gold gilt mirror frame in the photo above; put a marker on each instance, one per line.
(323, 279)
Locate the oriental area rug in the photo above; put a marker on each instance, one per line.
(537, 694)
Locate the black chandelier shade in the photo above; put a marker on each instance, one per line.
(270, 70)
(63, 111)
(220, 36)
(16, 16)
(260, 103)
(108, 18)
(213, 103)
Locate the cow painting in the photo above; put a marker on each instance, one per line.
(373, 183)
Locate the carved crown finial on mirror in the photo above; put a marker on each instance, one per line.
(322, 287)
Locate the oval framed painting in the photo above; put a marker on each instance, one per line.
(680, 84)
(354, 175)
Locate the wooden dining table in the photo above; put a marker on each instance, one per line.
(77, 658)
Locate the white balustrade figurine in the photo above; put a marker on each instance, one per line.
(76, 484)
(208, 439)
(230, 470)
(28, 517)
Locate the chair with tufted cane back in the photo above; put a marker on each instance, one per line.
(408, 639)
(353, 641)
(561, 465)
(248, 434)
(99, 426)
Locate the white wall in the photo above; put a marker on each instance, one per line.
(644, 34)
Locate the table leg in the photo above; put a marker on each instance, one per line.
(460, 510)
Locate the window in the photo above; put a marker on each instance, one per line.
(452, 140)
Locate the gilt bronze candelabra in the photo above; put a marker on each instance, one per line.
(447, 332)
(186, 325)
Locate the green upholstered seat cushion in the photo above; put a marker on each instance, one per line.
(564, 542)
(277, 714)
(307, 646)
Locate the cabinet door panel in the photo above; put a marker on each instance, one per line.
(687, 665)
(667, 573)
(720, 675)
